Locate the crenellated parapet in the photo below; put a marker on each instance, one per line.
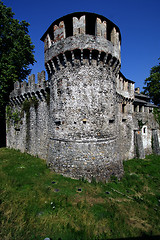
(82, 33)
(27, 90)
(81, 23)
(125, 88)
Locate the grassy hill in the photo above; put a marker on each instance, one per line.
(37, 203)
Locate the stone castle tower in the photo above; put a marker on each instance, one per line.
(87, 118)
(82, 55)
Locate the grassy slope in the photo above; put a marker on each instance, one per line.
(37, 203)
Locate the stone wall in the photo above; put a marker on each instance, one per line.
(83, 127)
(28, 117)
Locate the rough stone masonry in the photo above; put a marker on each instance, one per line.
(85, 118)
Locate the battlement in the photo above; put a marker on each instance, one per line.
(81, 32)
(125, 87)
(25, 90)
(81, 23)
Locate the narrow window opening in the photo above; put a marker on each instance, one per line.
(111, 121)
(58, 123)
(59, 92)
(79, 190)
(123, 108)
(84, 121)
(135, 108)
(140, 108)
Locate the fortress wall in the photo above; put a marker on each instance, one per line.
(147, 130)
(82, 120)
(28, 117)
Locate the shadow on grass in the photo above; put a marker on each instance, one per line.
(137, 238)
(132, 238)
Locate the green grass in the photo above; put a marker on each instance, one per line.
(37, 203)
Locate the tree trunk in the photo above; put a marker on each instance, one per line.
(2, 130)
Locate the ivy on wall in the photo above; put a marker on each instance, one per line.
(141, 124)
(156, 113)
(15, 116)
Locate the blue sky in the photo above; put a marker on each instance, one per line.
(138, 21)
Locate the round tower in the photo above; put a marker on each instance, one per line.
(82, 58)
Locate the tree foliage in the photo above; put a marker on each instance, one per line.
(16, 52)
(156, 113)
(152, 88)
(16, 55)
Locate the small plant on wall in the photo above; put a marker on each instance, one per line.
(27, 104)
(156, 113)
(13, 116)
(141, 124)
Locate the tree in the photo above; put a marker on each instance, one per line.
(152, 83)
(16, 54)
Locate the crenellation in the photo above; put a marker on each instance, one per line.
(16, 85)
(26, 90)
(115, 37)
(47, 42)
(79, 25)
(59, 31)
(101, 28)
(31, 82)
(24, 86)
(41, 77)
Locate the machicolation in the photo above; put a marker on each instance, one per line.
(87, 117)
